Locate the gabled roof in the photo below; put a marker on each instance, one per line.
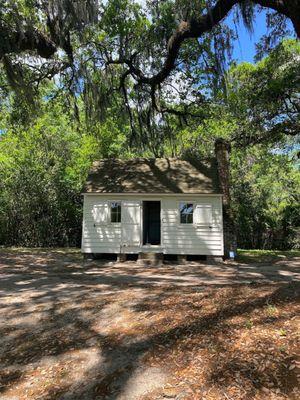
(156, 175)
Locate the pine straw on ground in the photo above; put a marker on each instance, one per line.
(238, 342)
(233, 343)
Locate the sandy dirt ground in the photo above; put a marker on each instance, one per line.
(75, 329)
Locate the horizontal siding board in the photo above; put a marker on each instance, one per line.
(196, 243)
(193, 238)
(193, 228)
(197, 234)
(179, 243)
(194, 250)
(98, 249)
(99, 236)
(108, 237)
(203, 252)
(100, 239)
(190, 245)
(102, 230)
(100, 244)
(176, 238)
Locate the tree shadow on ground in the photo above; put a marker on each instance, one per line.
(47, 318)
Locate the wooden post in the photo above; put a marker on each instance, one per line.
(181, 258)
(121, 257)
(214, 260)
(88, 256)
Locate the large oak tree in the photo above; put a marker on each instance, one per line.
(150, 53)
(18, 33)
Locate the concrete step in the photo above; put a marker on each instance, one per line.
(150, 259)
(151, 256)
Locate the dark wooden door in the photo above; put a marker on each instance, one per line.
(151, 222)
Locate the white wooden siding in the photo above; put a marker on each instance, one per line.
(98, 234)
(204, 236)
(131, 223)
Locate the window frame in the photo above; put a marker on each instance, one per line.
(186, 203)
(118, 213)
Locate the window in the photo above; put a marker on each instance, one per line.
(115, 211)
(186, 213)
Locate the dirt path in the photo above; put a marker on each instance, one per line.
(93, 330)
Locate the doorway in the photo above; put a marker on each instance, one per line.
(151, 222)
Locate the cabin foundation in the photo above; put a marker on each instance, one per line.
(182, 258)
(121, 257)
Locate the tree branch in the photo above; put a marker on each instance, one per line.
(190, 29)
(13, 41)
(288, 128)
(277, 5)
(195, 28)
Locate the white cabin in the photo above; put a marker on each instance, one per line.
(166, 206)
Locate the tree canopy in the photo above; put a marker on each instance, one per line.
(45, 155)
(143, 51)
(125, 78)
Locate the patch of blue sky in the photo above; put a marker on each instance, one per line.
(244, 49)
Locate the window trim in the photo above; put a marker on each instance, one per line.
(192, 213)
(110, 211)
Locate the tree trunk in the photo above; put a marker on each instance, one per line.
(289, 8)
(295, 18)
(296, 23)
(222, 150)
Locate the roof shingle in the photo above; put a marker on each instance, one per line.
(156, 175)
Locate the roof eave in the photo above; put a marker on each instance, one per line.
(151, 194)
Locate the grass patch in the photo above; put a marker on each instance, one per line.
(248, 256)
